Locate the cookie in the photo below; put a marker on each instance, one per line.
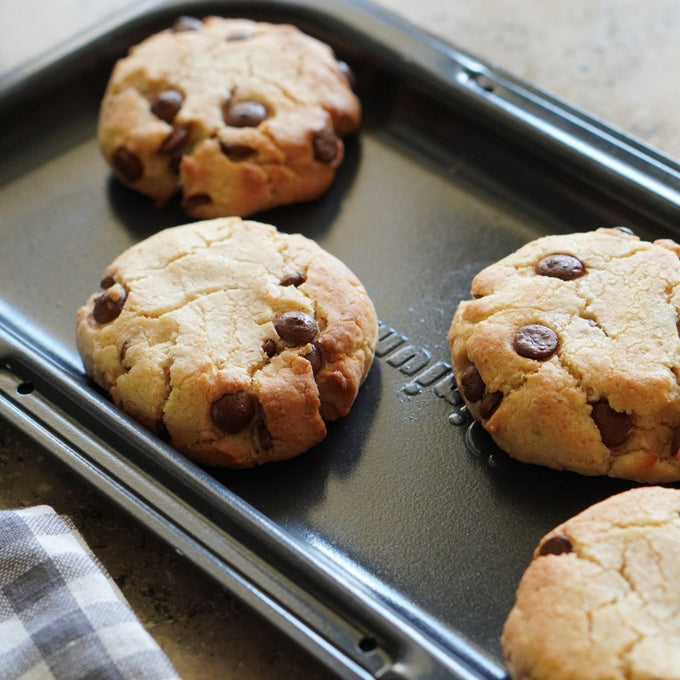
(569, 354)
(240, 116)
(600, 598)
(233, 341)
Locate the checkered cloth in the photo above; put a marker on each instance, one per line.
(61, 617)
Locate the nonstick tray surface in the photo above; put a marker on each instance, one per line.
(393, 548)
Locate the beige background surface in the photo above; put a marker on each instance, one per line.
(616, 58)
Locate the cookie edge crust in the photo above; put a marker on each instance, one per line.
(347, 343)
(594, 457)
(241, 187)
(532, 645)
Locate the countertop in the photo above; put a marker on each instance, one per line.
(613, 58)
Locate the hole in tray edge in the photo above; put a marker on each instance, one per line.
(367, 644)
(25, 387)
(476, 79)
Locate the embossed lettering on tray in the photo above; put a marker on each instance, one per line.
(415, 362)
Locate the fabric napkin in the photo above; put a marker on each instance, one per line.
(61, 616)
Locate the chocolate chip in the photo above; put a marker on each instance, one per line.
(127, 164)
(190, 203)
(174, 163)
(187, 23)
(244, 114)
(675, 441)
(555, 545)
(109, 305)
(535, 342)
(107, 282)
(269, 347)
(490, 402)
(233, 412)
(293, 279)
(560, 266)
(296, 328)
(174, 141)
(237, 152)
(265, 437)
(472, 384)
(614, 426)
(315, 358)
(167, 104)
(123, 351)
(626, 230)
(346, 71)
(325, 145)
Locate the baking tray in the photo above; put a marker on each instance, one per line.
(393, 549)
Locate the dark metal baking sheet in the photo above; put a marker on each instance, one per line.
(392, 549)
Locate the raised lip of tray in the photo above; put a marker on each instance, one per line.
(629, 167)
(78, 431)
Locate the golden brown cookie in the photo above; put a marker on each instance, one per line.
(240, 116)
(600, 599)
(229, 338)
(569, 354)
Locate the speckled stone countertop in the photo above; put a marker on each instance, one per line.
(614, 58)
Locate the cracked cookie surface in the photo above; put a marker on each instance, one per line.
(599, 600)
(240, 116)
(233, 341)
(569, 354)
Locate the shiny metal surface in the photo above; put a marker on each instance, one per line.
(395, 546)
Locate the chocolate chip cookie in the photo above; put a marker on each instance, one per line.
(240, 116)
(232, 340)
(569, 354)
(599, 599)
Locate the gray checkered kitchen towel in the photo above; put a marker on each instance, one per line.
(61, 617)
